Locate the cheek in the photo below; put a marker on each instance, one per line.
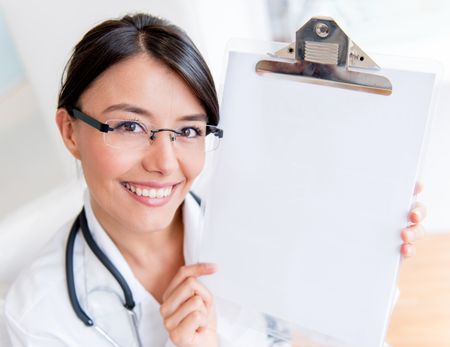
(102, 164)
(192, 168)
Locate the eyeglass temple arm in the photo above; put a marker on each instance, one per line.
(89, 120)
(215, 131)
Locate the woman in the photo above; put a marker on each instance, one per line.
(135, 108)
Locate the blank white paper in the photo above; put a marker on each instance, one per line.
(311, 189)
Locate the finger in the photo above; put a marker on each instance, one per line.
(190, 287)
(408, 250)
(413, 233)
(189, 328)
(195, 303)
(418, 188)
(418, 213)
(186, 271)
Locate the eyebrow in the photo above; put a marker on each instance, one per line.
(143, 112)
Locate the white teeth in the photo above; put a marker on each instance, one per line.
(151, 193)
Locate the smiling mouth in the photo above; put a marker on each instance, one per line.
(152, 193)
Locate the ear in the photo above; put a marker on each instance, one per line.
(67, 129)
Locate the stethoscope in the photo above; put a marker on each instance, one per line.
(127, 301)
(129, 304)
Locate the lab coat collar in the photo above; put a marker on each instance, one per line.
(191, 218)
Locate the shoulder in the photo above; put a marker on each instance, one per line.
(42, 283)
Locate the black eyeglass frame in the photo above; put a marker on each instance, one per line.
(104, 128)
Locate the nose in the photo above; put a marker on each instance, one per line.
(161, 154)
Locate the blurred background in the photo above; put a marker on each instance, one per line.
(36, 38)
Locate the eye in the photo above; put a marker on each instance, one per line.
(191, 132)
(130, 127)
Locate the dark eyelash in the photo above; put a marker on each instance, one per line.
(132, 120)
(135, 120)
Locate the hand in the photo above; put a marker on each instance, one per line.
(188, 308)
(415, 231)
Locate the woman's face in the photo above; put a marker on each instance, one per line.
(143, 89)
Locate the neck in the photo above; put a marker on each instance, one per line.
(140, 248)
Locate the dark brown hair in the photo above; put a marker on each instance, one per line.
(115, 40)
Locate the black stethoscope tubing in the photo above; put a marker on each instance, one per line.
(81, 223)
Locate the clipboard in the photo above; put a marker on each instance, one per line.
(313, 181)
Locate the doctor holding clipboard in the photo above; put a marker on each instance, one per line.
(138, 109)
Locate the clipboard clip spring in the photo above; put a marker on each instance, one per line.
(323, 54)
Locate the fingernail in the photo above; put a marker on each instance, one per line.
(211, 266)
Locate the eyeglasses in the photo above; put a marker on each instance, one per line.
(133, 134)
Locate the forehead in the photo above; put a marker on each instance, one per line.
(144, 82)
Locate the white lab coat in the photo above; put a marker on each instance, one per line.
(37, 308)
(38, 311)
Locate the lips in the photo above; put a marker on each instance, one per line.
(151, 194)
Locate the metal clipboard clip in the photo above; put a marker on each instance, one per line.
(323, 54)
